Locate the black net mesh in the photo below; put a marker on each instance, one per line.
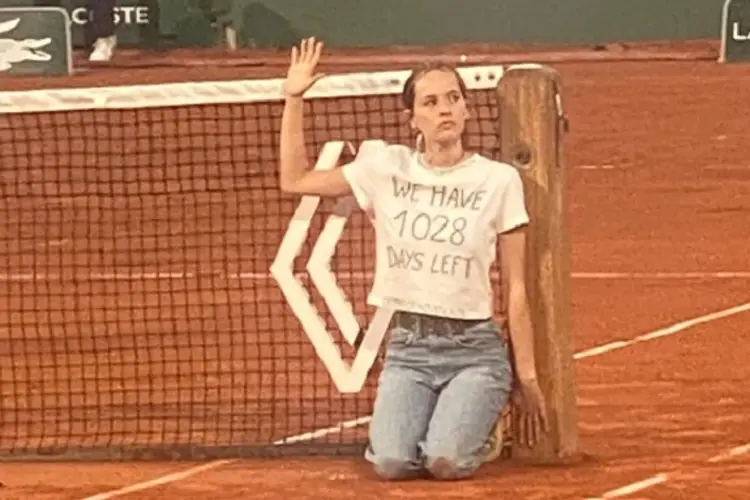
(138, 317)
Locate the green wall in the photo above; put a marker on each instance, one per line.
(385, 22)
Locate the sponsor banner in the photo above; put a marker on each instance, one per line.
(35, 41)
(735, 31)
(136, 21)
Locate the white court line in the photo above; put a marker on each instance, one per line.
(309, 436)
(166, 479)
(169, 478)
(663, 477)
(343, 275)
(596, 167)
(663, 332)
(665, 275)
(734, 452)
(634, 487)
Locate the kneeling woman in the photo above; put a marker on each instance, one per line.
(438, 210)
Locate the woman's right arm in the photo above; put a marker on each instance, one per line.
(295, 173)
(294, 170)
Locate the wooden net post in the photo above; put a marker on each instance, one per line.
(531, 126)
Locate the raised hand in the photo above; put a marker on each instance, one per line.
(302, 68)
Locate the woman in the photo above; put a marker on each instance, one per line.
(436, 212)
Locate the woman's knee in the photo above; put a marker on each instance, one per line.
(450, 469)
(440, 468)
(394, 469)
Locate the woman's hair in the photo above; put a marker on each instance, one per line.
(407, 95)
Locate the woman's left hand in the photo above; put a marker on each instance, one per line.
(528, 398)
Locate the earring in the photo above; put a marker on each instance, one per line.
(419, 142)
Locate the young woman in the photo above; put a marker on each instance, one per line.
(437, 212)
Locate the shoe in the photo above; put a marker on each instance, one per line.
(104, 48)
(493, 447)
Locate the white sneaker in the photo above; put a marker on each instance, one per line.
(103, 49)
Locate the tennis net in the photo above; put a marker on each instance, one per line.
(139, 318)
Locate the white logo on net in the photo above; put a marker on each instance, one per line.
(14, 51)
(347, 378)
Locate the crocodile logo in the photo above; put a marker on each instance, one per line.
(14, 51)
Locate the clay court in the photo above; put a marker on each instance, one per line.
(178, 285)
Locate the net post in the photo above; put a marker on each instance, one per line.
(531, 125)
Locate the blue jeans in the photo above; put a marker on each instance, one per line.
(437, 401)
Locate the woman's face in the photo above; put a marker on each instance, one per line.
(439, 111)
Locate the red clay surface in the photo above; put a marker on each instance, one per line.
(659, 182)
